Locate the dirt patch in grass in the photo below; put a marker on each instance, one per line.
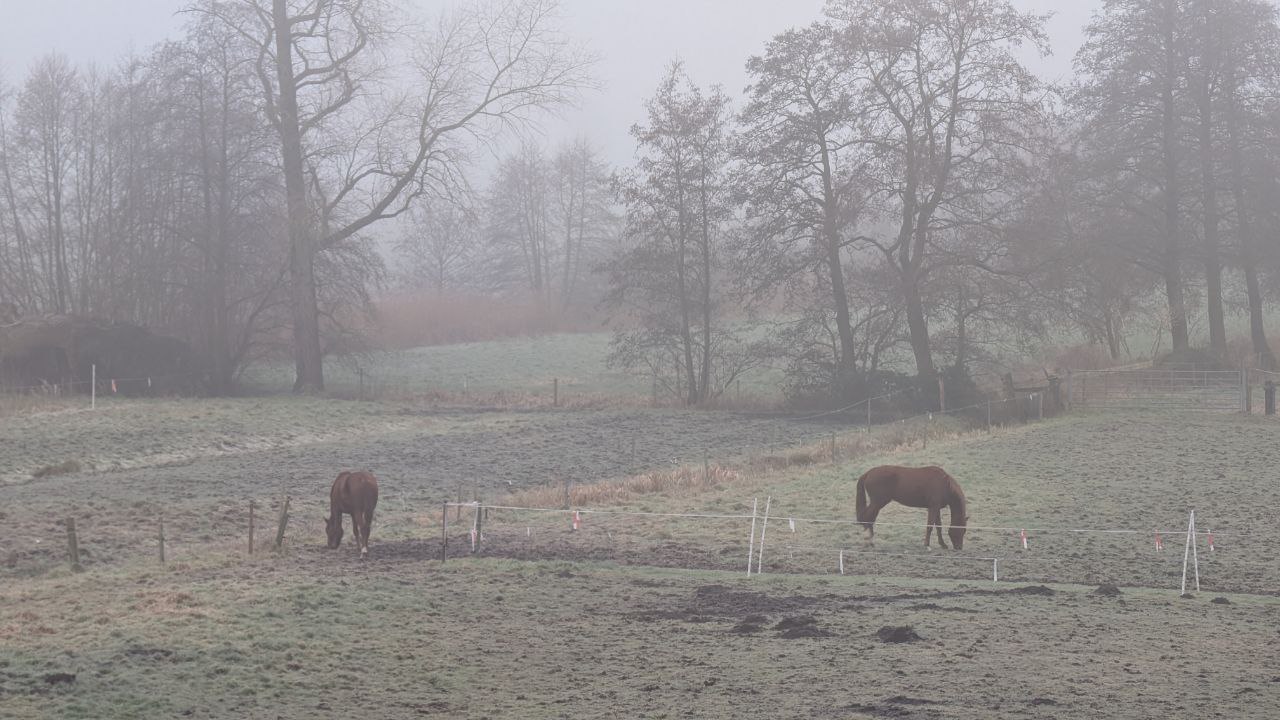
(897, 634)
(66, 467)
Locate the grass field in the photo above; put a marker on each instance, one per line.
(516, 366)
(630, 616)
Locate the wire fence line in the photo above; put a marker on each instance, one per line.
(572, 534)
(481, 506)
(104, 382)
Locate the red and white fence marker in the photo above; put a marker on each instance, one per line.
(792, 523)
(1159, 542)
(577, 520)
(1023, 534)
(1210, 537)
(113, 385)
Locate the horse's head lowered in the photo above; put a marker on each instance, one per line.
(333, 527)
(955, 531)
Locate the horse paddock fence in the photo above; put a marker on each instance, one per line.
(1154, 388)
(776, 541)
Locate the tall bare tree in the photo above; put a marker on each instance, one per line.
(583, 214)
(677, 208)
(1134, 89)
(440, 245)
(352, 157)
(804, 178)
(942, 94)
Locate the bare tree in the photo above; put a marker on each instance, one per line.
(943, 96)
(677, 205)
(352, 157)
(44, 118)
(439, 245)
(803, 180)
(583, 214)
(1134, 89)
(519, 219)
(1247, 37)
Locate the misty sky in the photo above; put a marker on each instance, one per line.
(635, 39)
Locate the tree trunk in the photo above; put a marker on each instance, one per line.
(1171, 261)
(839, 293)
(705, 376)
(919, 330)
(307, 353)
(962, 336)
(1244, 231)
(1209, 208)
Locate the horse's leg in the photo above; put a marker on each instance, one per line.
(368, 525)
(362, 532)
(869, 520)
(935, 524)
(355, 528)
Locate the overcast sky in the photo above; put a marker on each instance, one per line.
(635, 39)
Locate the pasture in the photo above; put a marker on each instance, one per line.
(631, 615)
(519, 368)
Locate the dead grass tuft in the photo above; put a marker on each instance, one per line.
(18, 405)
(169, 603)
(678, 480)
(66, 467)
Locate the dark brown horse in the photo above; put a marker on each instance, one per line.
(924, 487)
(355, 494)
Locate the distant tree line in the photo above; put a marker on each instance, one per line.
(225, 186)
(897, 180)
(897, 194)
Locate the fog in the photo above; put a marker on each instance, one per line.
(853, 193)
(634, 39)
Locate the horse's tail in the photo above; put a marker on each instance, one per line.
(860, 503)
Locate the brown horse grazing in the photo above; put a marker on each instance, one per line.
(924, 487)
(356, 494)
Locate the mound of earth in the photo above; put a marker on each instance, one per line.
(802, 626)
(897, 634)
(750, 624)
(1107, 590)
(1034, 590)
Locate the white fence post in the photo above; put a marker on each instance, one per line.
(93, 386)
(755, 502)
(764, 525)
(1189, 553)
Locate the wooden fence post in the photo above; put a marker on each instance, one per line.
(555, 392)
(73, 545)
(942, 395)
(444, 531)
(833, 448)
(250, 527)
(161, 538)
(284, 520)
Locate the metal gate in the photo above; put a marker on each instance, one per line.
(1216, 390)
